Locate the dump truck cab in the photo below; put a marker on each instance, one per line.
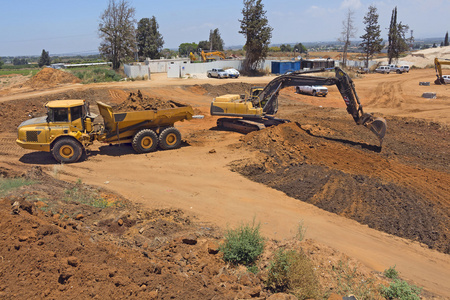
(66, 122)
(71, 114)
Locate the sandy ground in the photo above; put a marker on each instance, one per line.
(197, 177)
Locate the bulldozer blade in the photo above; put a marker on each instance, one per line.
(378, 126)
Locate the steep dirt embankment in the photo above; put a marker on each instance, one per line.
(386, 194)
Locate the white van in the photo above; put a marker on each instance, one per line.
(383, 69)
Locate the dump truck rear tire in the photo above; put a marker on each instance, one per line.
(170, 138)
(145, 141)
(67, 150)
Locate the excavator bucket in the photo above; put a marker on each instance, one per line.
(378, 126)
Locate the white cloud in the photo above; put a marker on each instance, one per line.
(352, 4)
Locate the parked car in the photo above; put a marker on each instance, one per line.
(232, 73)
(363, 71)
(383, 69)
(314, 90)
(405, 68)
(446, 78)
(219, 73)
(397, 69)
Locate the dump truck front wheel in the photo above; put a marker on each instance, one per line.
(67, 150)
(145, 141)
(170, 138)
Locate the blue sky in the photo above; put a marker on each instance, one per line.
(63, 27)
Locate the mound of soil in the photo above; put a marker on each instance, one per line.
(228, 88)
(55, 248)
(137, 101)
(359, 184)
(49, 77)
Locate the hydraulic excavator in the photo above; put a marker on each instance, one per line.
(257, 111)
(206, 56)
(438, 68)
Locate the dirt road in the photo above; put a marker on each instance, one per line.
(198, 177)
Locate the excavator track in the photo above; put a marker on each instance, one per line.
(248, 125)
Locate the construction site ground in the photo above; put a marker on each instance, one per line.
(382, 207)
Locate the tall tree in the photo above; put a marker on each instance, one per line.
(348, 32)
(20, 61)
(44, 60)
(300, 48)
(255, 27)
(285, 48)
(203, 45)
(371, 40)
(117, 31)
(397, 37)
(215, 40)
(150, 42)
(185, 48)
(446, 39)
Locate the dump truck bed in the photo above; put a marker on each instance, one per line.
(122, 126)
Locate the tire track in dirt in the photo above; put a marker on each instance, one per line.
(387, 94)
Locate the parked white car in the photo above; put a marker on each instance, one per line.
(314, 90)
(446, 78)
(383, 69)
(232, 73)
(219, 73)
(404, 68)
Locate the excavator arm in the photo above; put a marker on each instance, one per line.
(268, 98)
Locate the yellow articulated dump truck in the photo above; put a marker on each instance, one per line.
(69, 128)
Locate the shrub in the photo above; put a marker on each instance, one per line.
(243, 245)
(301, 231)
(292, 272)
(391, 273)
(400, 289)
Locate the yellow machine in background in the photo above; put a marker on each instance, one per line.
(206, 56)
(438, 68)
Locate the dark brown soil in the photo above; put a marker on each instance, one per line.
(402, 190)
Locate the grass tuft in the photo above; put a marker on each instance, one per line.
(9, 184)
(78, 193)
